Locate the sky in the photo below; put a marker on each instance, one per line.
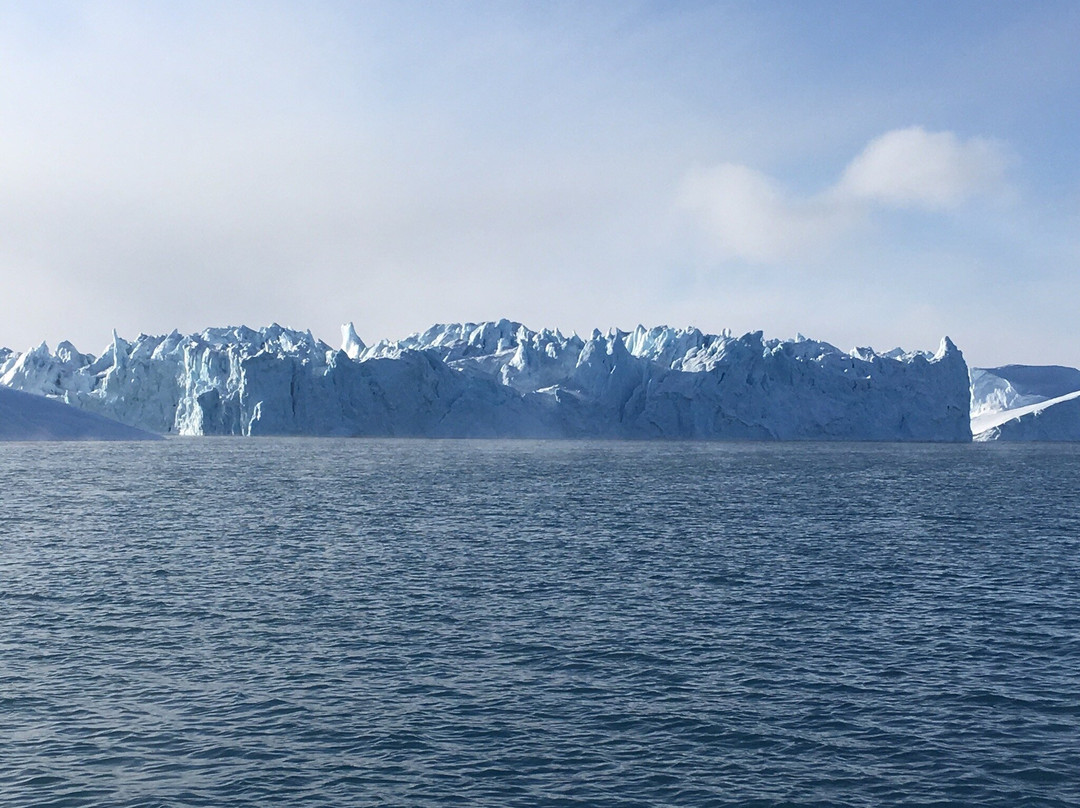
(868, 174)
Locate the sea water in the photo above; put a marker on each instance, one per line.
(217, 622)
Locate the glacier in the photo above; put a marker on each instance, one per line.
(502, 379)
(1025, 403)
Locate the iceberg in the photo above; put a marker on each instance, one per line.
(502, 379)
(1025, 403)
(26, 417)
(1056, 419)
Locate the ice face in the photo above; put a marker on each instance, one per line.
(503, 379)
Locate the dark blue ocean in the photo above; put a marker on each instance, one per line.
(412, 623)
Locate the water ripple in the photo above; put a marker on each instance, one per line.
(305, 622)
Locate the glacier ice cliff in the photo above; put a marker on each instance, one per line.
(501, 379)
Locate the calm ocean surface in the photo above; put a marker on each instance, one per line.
(410, 623)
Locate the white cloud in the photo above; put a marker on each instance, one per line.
(748, 215)
(930, 170)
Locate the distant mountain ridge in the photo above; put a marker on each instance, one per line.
(501, 379)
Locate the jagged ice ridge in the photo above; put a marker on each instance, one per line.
(501, 379)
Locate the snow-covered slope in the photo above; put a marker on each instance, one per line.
(31, 418)
(502, 379)
(1056, 419)
(1025, 402)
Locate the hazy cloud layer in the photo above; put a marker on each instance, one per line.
(748, 215)
(183, 165)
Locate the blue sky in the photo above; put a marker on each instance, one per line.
(865, 173)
